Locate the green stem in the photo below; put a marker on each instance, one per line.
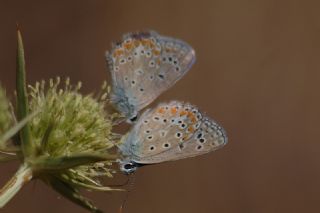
(22, 176)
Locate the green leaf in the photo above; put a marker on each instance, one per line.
(72, 194)
(7, 157)
(22, 98)
(60, 163)
(89, 185)
(14, 130)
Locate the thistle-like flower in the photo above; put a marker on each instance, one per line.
(5, 115)
(65, 138)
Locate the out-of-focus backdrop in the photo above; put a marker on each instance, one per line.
(257, 73)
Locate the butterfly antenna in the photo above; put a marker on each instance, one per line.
(34, 185)
(120, 185)
(130, 187)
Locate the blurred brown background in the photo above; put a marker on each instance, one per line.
(257, 73)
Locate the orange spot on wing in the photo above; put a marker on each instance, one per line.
(161, 110)
(146, 42)
(152, 45)
(192, 117)
(182, 113)
(190, 114)
(173, 110)
(190, 129)
(118, 52)
(156, 52)
(128, 46)
(168, 49)
(136, 43)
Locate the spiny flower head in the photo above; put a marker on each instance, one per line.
(72, 124)
(5, 115)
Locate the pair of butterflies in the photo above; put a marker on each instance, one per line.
(143, 65)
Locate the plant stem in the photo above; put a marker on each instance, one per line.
(22, 176)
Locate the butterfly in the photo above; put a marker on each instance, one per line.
(168, 132)
(142, 66)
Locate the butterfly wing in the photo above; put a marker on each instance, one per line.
(209, 137)
(170, 132)
(143, 65)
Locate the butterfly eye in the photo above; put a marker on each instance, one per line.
(128, 166)
(177, 68)
(150, 137)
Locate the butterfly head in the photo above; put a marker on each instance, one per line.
(128, 167)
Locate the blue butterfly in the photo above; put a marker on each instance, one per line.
(143, 65)
(169, 132)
